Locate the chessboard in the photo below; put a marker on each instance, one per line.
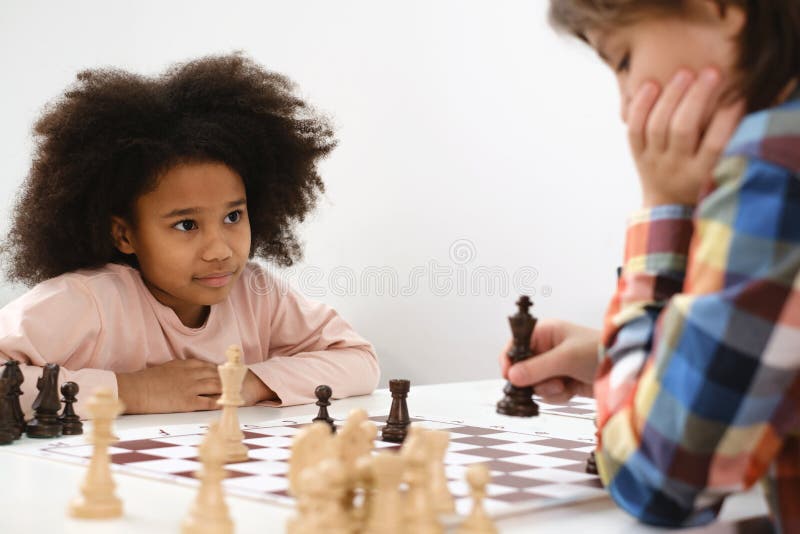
(529, 470)
(580, 407)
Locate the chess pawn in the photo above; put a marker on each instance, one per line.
(69, 419)
(45, 423)
(478, 521)
(518, 401)
(12, 372)
(420, 516)
(231, 374)
(97, 499)
(397, 423)
(209, 512)
(384, 511)
(323, 394)
(438, 441)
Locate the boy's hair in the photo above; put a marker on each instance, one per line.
(113, 134)
(769, 45)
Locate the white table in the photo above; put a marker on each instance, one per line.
(35, 491)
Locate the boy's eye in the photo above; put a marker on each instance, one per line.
(624, 63)
(233, 216)
(185, 225)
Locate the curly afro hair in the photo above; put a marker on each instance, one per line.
(113, 134)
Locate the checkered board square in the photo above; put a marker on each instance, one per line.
(580, 407)
(529, 470)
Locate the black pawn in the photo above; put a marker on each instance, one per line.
(45, 423)
(519, 401)
(13, 373)
(591, 464)
(323, 394)
(397, 423)
(7, 421)
(70, 422)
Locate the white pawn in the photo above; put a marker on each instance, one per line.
(97, 499)
(438, 441)
(478, 521)
(232, 374)
(209, 513)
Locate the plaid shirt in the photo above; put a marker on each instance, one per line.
(698, 388)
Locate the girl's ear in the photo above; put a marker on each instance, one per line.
(122, 235)
(731, 18)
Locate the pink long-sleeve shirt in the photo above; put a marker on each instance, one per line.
(94, 323)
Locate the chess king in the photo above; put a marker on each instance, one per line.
(519, 401)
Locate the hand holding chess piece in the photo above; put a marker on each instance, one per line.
(97, 499)
(478, 521)
(519, 401)
(231, 374)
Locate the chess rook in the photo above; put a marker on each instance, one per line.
(97, 499)
(519, 401)
(323, 394)
(231, 374)
(45, 423)
(397, 423)
(70, 421)
(12, 372)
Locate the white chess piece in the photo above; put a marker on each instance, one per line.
(442, 498)
(231, 374)
(309, 447)
(209, 513)
(320, 492)
(478, 521)
(384, 511)
(97, 499)
(420, 516)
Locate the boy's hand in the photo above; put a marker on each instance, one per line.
(674, 142)
(565, 361)
(176, 386)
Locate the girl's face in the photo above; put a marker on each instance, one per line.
(191, 237)
(654, 48)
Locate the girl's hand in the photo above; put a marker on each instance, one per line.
(564, 362)
(176, 386)
(674, 145)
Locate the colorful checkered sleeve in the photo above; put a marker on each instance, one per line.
(699, 382)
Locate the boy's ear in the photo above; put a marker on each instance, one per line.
(731, 17)
(122, 235)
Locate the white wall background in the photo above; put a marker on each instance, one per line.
(475, 144)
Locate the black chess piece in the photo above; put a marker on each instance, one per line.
(323, 394)
(71, 423)
(45, 423)
(13, 373)
(397, 423)
(519, 401)
(7, 420)
(591, 464)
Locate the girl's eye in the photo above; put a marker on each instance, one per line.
(185, 225)
(624, 63)
(233, 216)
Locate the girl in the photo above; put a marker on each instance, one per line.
(145, 202)
(698, 381)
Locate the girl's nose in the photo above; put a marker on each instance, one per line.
(217, 248)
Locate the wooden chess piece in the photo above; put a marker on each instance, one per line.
(309, 447)
(12, 372)
(420, 516)
(478, 521)
(7, 420)
(231, 374)
(70, 421)
(355, 439)
(518, 401)
(320, 507)
(323, 394)
(438, 441)
(97, 499)
(209, 512)
(384, 515)
(397, 423)
(45, 423)
(591, 464)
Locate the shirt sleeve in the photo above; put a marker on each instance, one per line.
(310, 345)
(55, 322)
(698, 383)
